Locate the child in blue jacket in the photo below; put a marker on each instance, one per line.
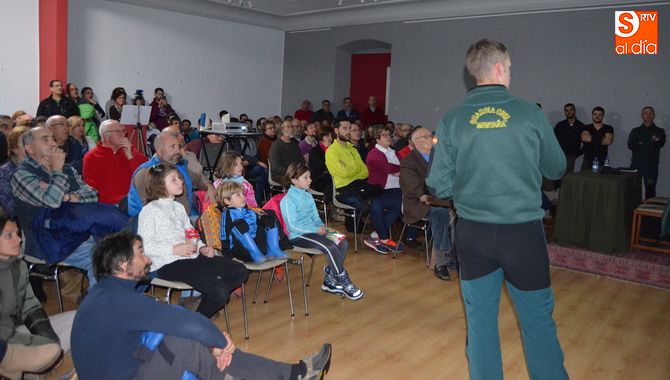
(306, 230)
(244, 232)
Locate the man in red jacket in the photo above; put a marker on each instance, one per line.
(109, 167)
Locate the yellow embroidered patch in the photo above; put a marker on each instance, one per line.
(493, 118)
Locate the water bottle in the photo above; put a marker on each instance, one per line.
(607, 162)
(594, 165)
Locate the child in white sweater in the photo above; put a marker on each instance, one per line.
(164, 225)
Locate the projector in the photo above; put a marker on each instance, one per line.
(232, 128)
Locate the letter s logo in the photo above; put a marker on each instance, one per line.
(626, 23)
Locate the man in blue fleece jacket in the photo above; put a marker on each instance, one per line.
(492, 152)
(113, 320)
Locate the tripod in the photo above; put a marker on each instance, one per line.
(141, 141)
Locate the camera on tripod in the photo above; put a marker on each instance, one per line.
(139, 97)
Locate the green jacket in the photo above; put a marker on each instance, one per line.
(641, 142)
(29, 312)
(492, 152)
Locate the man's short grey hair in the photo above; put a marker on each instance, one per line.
(159, 142)
(283, 124)
(53, 119)
(483, 55)
(27, 137)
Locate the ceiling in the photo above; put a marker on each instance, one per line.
(301, 15)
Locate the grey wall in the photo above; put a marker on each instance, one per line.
(203, 64)
(19, 57)
(556, 58)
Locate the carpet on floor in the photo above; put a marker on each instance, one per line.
(646, 268)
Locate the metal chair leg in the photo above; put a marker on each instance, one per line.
(288, 284)
(402, 233)
(258, 285)
(355, 233)
(225, 314)
(426, 242)
(304, 285)
(267, 292)
(58, 289)
(244, 313)
(311, 268)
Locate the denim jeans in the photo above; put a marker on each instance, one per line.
(385, 210)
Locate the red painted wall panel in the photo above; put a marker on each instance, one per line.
(53, 43)
(368, 77)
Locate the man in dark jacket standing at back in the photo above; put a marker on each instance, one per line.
(492, 152)
(646, 142)
(56, 103)
(568, 132)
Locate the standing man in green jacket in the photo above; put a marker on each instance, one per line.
(492, 152)
(646, 142)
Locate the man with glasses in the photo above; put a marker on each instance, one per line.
(56, 103)
(402, 136)
(109, 166)
(418, 204)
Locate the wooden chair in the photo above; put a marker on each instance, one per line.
(658, 200)
(53, 274)
(652, 211)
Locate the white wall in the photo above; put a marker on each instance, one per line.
(19, 56)
(203, 64)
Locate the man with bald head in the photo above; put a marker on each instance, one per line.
(168, 150)
(110, 165)
(372, 115)
(44, 181)
(74, 151)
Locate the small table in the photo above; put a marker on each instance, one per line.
(595, 210)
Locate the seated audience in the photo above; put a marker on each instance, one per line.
(118, 101)
(109, 166)
(163, 224)
(304, 113)
(384, 167)
(324, 113)
(254, 170)
(43, 181)
(75, 125)
(322, 181)
(158, 94)
(72, 92)
(16, 155)
(402, 136)
(74, 156)
(309, 141)
(6, 124)
(306, 230)
(231, 169)
(193, 162)
(56, 103)
(113, 319)
(168, 150)
(160, 113)
(348, 113)
(249, 235)
(596, 138)
(87, 97)
(297, 130)
(349, 173)
(269, 131)
(417, 205)
(358, 141)
(23, 321)
(372, 115)
(284, 152)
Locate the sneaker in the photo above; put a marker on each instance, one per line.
(376, 245)
(317, 364)
(348, 288)
(330, 284)
(392, 245)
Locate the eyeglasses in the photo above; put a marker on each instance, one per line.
(405, 130)
(385, 134)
